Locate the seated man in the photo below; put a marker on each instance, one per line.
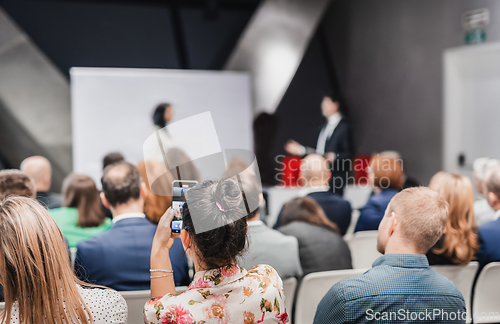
(119, 258)
(315, 176)
(265, 245)
(15, 182)
(39, 168)
(400, 287)
(489, 232)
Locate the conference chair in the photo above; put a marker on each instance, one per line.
(289, 286)
(72, 253)
(354, 219)
(2, 307)
(363, 246)
(462, 277)
(136, 300)
(312, 289)
(486, 305)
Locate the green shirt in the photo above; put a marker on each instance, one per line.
(67, 218)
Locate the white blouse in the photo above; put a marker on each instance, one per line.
(106, 306)
(222, 296)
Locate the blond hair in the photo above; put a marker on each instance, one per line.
(387, 172)
(460, 242)
(422, 214)
(34, 267)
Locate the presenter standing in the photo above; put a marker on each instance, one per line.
(162, 116)
(334, 143)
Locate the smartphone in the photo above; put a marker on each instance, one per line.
(179, 189)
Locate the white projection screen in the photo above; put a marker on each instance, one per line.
(112, 109)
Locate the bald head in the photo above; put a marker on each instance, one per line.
(314, 171)
(121, 183)
(40, 170)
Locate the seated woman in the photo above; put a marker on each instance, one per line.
(214, 235)
(36, 275)
(459, 242)
(82, 216)
(321, 247)
(386, 176)
(154, 205)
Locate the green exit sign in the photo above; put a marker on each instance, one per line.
(475, 36)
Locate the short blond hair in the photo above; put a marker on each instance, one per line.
(422, 214)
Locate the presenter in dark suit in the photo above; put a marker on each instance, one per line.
(120, 257)
(334, 143)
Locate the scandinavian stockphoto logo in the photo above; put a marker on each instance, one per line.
(189, 151)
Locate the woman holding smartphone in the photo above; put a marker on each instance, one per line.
(221, 290)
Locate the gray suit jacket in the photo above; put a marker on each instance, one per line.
(268, 246)
(320, 249)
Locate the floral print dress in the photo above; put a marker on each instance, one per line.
(226, 295)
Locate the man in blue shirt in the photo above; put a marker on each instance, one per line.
(400, 287)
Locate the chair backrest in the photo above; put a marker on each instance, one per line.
(487, 295)
(312, 289)
(363, 246)
(136, 300)
(289, 286)
(72, 252)
(462, 277)
(2, 306)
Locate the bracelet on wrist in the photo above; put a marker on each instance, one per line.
(161, 270)
(162, 276)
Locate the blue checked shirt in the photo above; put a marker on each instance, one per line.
(400, 288)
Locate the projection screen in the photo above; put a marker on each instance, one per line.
(112, 109)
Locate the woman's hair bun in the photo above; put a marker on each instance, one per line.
(228, 194)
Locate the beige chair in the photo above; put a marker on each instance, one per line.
(136, 300)
(363, 246)
(289, 286)
(312, 289)
(487, 295)
(2, 307)
(462, 277)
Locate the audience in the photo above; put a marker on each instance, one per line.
(82, 216)
(15, 182)
(155, 205)
(321, 248)
(111, 158)
(39, 168)
(458, 244)
(36, 293)
(483, 211)
(489, 233)
(409, 182)
(265, 245)
(314, 177)
(401, 279)
(386, 176)
(221, 292)
(119, 258)
(186, 170)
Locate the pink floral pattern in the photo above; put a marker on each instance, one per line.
(226, 295)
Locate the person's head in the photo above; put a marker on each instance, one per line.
(329, 107)
(222, 204)
(122, 186)
(479, 167)
(80, 191)
(413, 222)
(40, 170)
(492, 187)
(17, 183)
(35, 270)
(163, 114)
(306, 209)
(386, 172)
(111, 158)
(154, 205)
(314, 171)
(460, 242)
